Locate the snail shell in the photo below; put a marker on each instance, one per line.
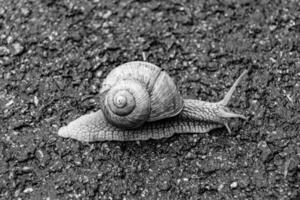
(138, 92)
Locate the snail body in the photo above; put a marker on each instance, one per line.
(140, 101)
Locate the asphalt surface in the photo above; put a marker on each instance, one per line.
(54, 55)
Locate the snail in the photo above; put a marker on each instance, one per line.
(140, 101)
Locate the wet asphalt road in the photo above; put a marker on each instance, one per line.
(54, 55)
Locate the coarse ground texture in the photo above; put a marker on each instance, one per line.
(54, 54)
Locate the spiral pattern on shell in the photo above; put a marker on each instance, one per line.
(127, 104)
(136, 92)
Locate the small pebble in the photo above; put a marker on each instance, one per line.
(164, 182)
(266, 151)
(27, 169)
(233, 185)
(25, 12)
(17, 48)
(2, 11)
(190, 155)
(107, 14)
(4, 51)
(9, 39)
(221, 186)
(99, 73)
(11, 102)
(35, 100)
(28, 190)
(75, 36)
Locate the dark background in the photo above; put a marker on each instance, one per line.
(55, 54)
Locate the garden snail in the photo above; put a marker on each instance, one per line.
(139, 101)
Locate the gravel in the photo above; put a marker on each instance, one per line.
(55, 54)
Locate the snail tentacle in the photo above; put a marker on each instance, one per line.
(228, 95)
(224, 112)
